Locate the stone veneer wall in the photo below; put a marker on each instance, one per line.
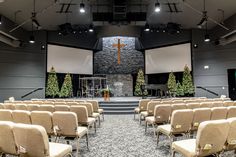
(105, 61)
(120, 84)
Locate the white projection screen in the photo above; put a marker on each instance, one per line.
(167, 59)
(69, 60)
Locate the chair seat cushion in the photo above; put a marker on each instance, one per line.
(100, 110)
(136, 110)
(81, 131)
(91, 120)
(95, 115)
(164, 129)
(144, 113)
(58, 149)
(185, 147)
(150, 119)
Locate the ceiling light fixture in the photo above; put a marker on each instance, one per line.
(32, 40)
(157, 7)
(0, 19)
(91, 28)
(207, 37)
(82, 8)
(146, 28)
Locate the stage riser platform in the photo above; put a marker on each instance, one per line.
(119, 107)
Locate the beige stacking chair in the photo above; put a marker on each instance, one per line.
(228, 103)
(161, 115)
(89, 107)
(72, 103)
(231, 112)
(49, 108)
(33, 107)
(96, 108)
(231, 139)
(177, 101)
(179, 106)
(38, 146)
(21, 107)
(218, 113)
(82, 115)
(1, 106)
(178, 124)
(200, 115)
(9, 106)
(150, 110)
(6, 115)
(43, 118)
(211, 137)
(7, 139)
(68, 130)
(217, 104)
(206, 105)
(20, 116)
(141, 107)
(166, 102)
(60, 103)
(62, 108)
(193, 105)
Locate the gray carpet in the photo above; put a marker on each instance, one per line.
(121, 136)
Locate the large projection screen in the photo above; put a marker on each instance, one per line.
(69, 60)
(167, 59)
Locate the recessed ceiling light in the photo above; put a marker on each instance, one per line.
(207, 38)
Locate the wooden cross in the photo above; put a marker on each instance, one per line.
(119, 46)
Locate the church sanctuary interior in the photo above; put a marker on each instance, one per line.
(117, 78)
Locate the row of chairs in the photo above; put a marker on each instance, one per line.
(143, 103)
(187, 121)
(58, 124)
(213, 138)
(52, 108)
(150, 106)
(29, 141)
(95, 104)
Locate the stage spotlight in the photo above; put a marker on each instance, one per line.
(146, 28)
(82, 8)
(32, 40)
(91, 28)
(207, 38)
(157, 7)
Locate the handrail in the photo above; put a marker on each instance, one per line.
(214, 93)
(33, 91)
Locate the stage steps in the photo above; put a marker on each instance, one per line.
(118, 107)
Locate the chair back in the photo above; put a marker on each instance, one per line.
(193, 105)
(181, 121)
(89, 107)
(62, 108)
(143, 104)
(6, 115)
(217, 104)
(231, 112)
(231, 139)
(211, 137)
(206, 105)
(43, 118)
(179, 106)
(95, 105)
(32, 140)
(162, 113)
(60, 121)
(49, 108)
(218, 113)
(33, 107)
(81, 112)
(20, 116)
(200, 115)
(21, 107)
(150, 107)
(7, 139)
(228, 103)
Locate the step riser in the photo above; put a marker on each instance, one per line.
(118, 109)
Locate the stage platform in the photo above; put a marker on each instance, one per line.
(117, 105)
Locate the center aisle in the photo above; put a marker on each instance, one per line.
(121, 136)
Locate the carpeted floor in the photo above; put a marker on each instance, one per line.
(122, 136)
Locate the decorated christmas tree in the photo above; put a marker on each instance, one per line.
(52, 88)
(179, 89)
(139, 82)
(172, 84)
(187, 83)
(66, 89)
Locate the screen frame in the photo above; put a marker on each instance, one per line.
(168, 45)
